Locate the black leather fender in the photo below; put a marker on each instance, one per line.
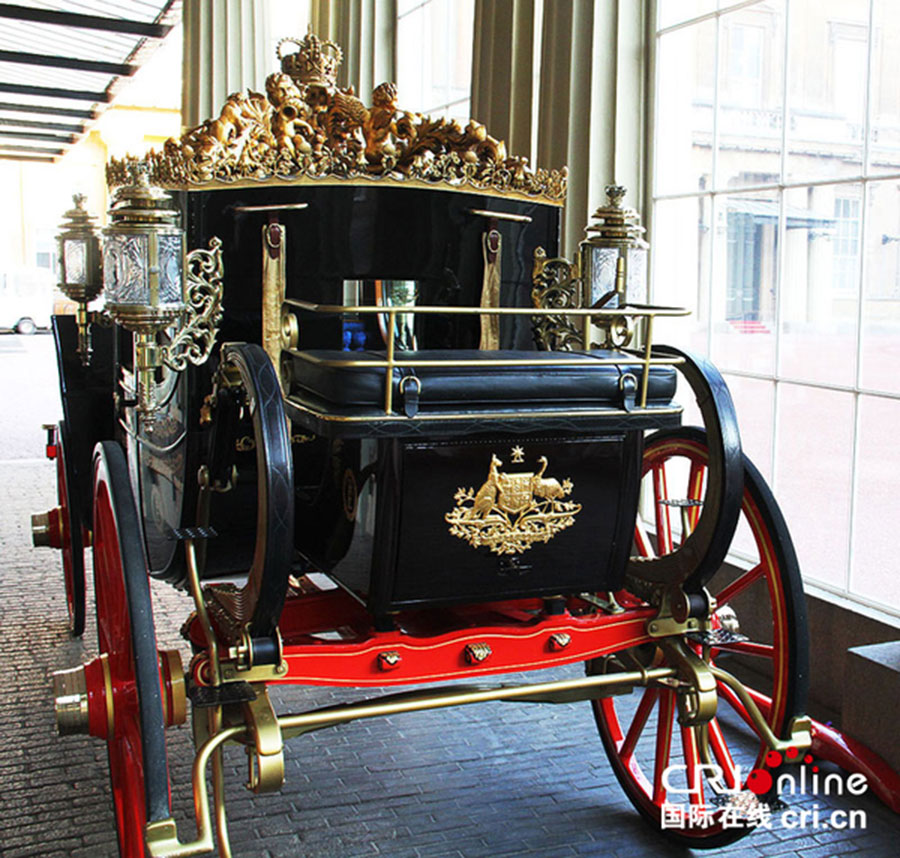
(262, 598)
(693, 563)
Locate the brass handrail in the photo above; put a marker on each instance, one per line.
(639, 310)
(588, 314)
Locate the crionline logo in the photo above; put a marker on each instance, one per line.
(734, 810)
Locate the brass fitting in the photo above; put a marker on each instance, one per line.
(70, 701)
(47, 529)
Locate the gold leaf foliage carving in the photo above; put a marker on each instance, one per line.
(306, 127)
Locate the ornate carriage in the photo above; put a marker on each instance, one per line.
(384, 436)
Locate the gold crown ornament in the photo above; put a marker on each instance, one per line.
(315, 64)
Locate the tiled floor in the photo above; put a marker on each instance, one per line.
(476, 782)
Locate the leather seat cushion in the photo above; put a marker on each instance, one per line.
(585, 383)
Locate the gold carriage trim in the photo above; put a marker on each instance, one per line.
(307, 128)
(510, 512)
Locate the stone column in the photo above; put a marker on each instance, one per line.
(503, 95)
(225, 51)
(364, 29)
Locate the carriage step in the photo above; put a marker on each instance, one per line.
(179, 533)
(205, 696)
(717, 637)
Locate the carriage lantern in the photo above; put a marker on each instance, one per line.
(144, 274)
(81, 275)
(614, 255)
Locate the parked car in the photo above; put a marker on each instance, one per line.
(26, 299)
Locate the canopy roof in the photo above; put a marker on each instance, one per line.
(62, 62)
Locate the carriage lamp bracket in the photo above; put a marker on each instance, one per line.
(194, 340)
(194, 337)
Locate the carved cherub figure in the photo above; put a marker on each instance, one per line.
(292, 119)
(379, 126)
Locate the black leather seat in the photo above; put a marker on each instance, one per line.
(584, 384)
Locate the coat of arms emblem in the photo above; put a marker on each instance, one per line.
(510, 512)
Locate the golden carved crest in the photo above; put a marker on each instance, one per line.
(306, 127)
(510, 512)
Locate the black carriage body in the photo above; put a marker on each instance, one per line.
(368, 232)
(347, 232)
(406, 530)
(87, 403)
(376, 502)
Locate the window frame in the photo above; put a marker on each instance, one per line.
(715, 198)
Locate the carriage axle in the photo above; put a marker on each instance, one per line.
(85, 698)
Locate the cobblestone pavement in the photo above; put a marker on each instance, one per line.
(473, 782)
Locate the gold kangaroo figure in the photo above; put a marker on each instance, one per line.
(487, 494)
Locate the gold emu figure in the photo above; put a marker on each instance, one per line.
(546, 488)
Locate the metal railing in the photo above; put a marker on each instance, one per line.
(645, 314)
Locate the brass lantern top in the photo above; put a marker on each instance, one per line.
(140, 203)
(614, 224)
(78, 222)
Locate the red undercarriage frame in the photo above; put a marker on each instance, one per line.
(329, 640)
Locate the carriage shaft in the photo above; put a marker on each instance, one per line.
(563, 689)
(162, 837)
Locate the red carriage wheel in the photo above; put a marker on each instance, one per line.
(764, 598)
(135, 721)
(71, 542)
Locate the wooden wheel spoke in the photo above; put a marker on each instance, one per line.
(663, 521)
(642, 713)
(695, 493)
(740, 584)
(749, 648)
(663, 743)
(642, 540)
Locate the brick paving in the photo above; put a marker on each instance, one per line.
(474, 782)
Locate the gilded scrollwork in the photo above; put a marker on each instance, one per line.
(556, 287)
(195, 337)
(306, 127)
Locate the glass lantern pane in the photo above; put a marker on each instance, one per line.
(125, 276)
(636, 278)
(603, 271)
(74, 261)
(170, 269)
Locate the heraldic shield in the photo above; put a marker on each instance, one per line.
(512, 511)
